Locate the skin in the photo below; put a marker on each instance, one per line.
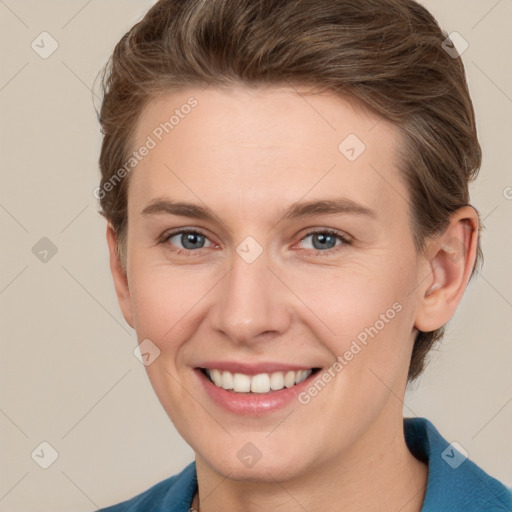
(247, 155)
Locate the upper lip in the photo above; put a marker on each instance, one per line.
(253, 368)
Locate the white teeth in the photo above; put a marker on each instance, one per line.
(216, 377)
(289, 379)
(277, 381)
(301, 376)
(241, 383)
(261, 383)
(227, 380)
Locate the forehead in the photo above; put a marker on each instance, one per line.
(252, 148)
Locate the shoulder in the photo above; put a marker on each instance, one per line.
(455, 482)
(174, 494)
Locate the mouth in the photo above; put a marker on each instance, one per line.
(259, 384)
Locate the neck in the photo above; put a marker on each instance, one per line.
(378, 470)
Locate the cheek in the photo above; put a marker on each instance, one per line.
(361, 311)
(166, 301)
(352, 295)
(167, 307)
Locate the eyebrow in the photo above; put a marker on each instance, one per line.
(297, 210)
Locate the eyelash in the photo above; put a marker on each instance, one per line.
(317, 252)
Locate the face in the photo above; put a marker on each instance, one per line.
(269, 247)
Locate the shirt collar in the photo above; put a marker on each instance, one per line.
(455, 483)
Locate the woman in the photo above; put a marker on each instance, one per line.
(289, 225)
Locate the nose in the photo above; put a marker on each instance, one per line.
(252, 304)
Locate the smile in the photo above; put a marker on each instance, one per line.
(254, 389)
(260, 383)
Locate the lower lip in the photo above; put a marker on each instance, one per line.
(254, 403)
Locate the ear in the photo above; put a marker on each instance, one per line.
(119, 276)
(451, 258)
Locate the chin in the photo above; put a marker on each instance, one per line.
(254, 466)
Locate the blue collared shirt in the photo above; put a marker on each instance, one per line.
(455, 483)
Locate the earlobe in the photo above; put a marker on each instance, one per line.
(451, 260)
(119, 276)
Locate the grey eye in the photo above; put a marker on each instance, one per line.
(189, 240)
(322, 240)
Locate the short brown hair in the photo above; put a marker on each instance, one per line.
(386, 54)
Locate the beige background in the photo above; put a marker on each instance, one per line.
(68, 374)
